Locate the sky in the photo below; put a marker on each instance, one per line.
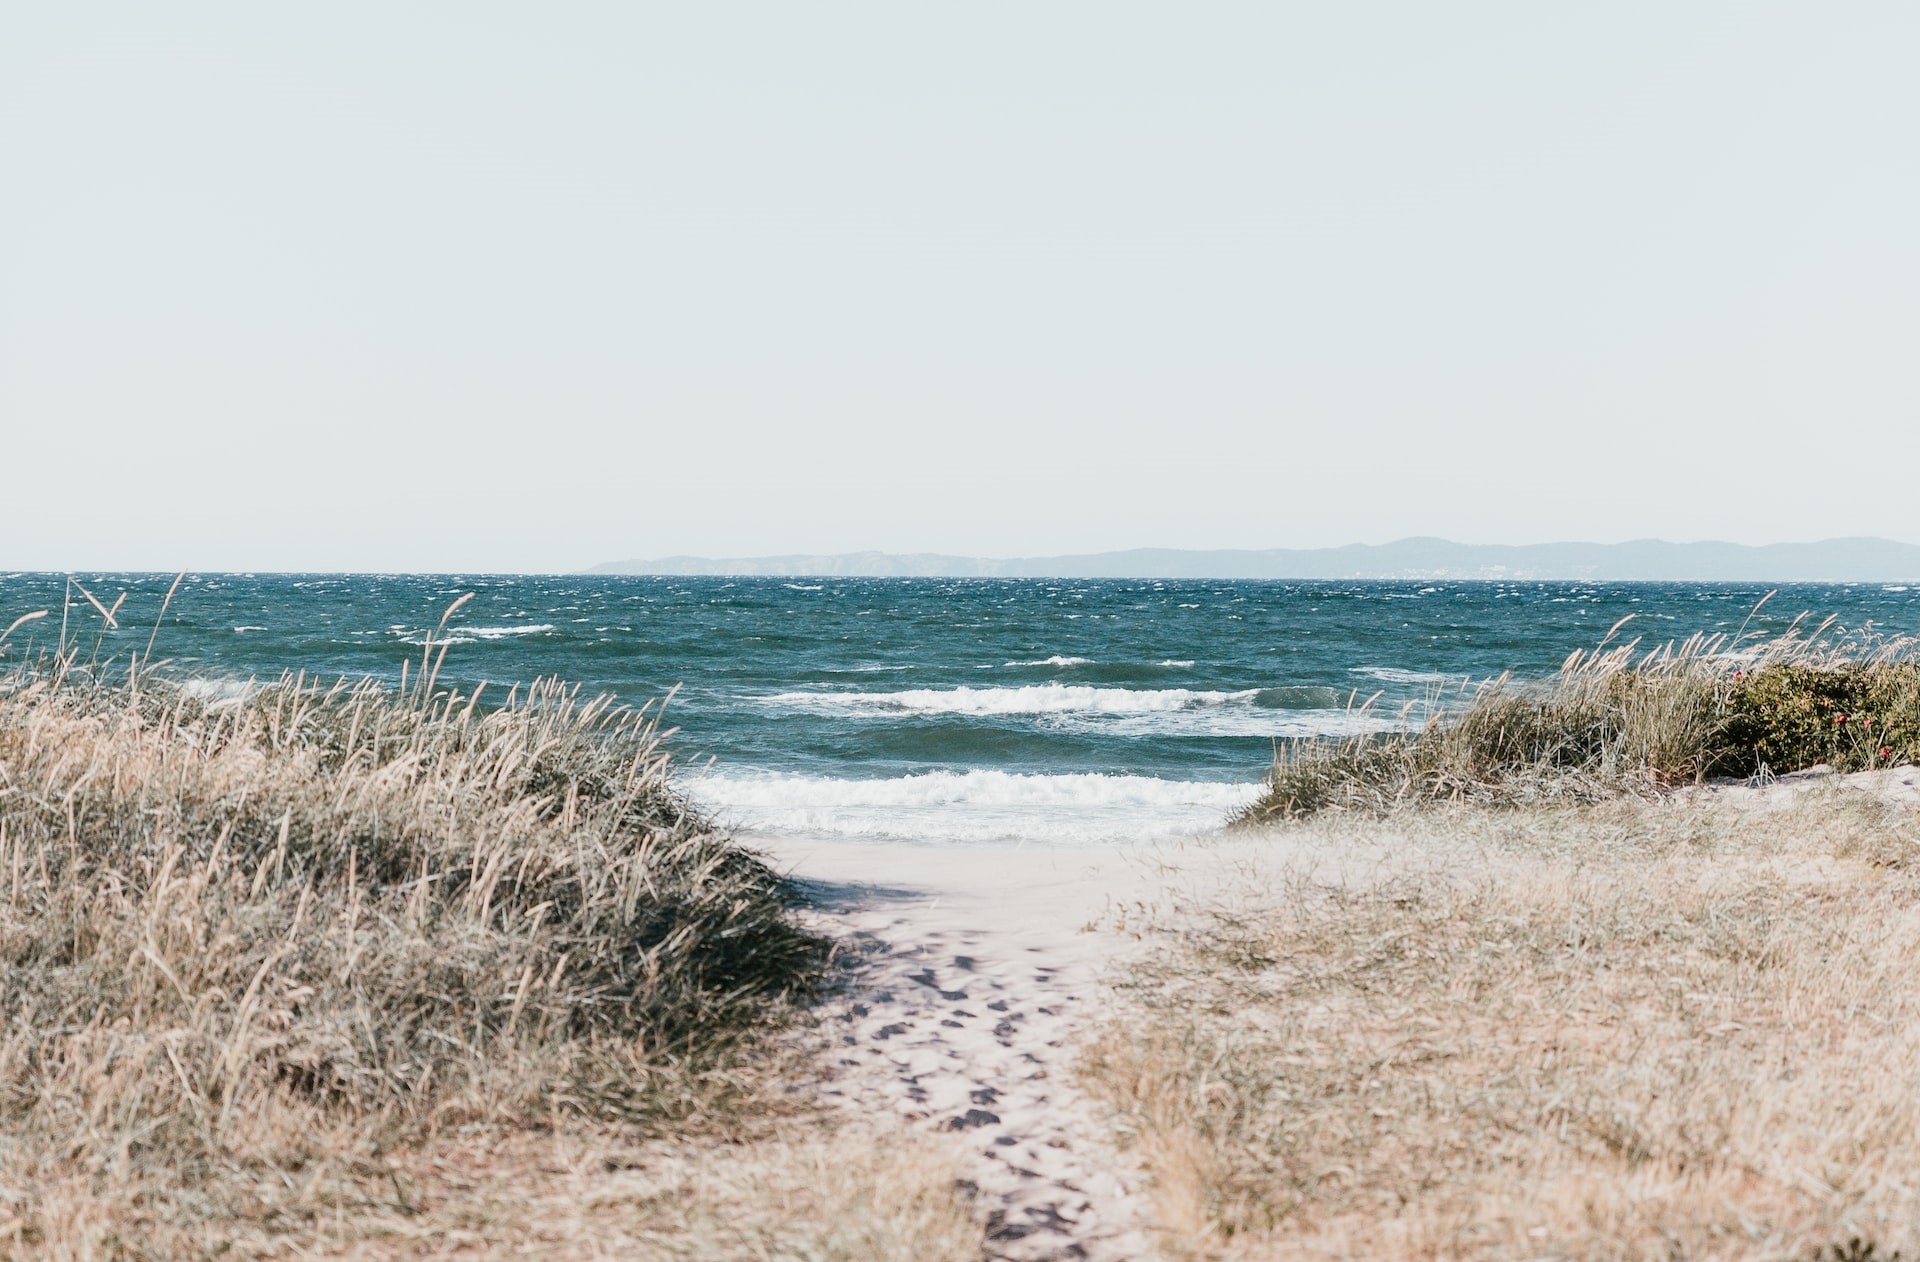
(478, 286)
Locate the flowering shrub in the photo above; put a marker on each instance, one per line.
(1789, 716)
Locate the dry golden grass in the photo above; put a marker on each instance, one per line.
(1623, 721)
(289, 972)
(801, 1193)
(1680, 1031)
(797, 1192)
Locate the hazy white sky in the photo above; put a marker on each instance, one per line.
(519, 286)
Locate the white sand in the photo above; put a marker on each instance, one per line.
(973, 972)
(1896, 785)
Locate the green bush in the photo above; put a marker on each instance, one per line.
(1791, 716)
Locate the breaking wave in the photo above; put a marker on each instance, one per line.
(467, 635)
(975, 806)
(1032, 699)
(1395, 675)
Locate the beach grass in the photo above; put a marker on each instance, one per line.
(1674, 1030)
(1622, 721)
(351, 970)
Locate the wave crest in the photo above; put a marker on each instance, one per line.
(1395, 675)
(1032, 699)
(467, 635)
(962, 806)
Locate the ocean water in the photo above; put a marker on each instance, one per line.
(940, 709)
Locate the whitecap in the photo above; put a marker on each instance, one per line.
(1284, 725)
(1032, 699)
(975, 806)
(467, 635)
(1056, 660)
(1395, 675)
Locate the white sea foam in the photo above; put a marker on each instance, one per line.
(244, 630)
(975, 805)
(1179, 663)
(1283, 725)
(1394, 675)
(1056, 660)
(467, 635)
(1104, 711)
(802, 587)
(1032, 699)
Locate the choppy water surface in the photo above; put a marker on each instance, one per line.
(941, 708)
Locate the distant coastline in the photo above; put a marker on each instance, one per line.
(1859, 560)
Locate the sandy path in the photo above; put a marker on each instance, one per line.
(971, 972)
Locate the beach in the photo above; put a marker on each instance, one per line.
(1603, 959)
(971, 976)
(975, 976)
(984, 988)
(991, 632)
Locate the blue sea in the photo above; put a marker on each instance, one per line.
(937, 709)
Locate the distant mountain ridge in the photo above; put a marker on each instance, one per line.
(1652, 560)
